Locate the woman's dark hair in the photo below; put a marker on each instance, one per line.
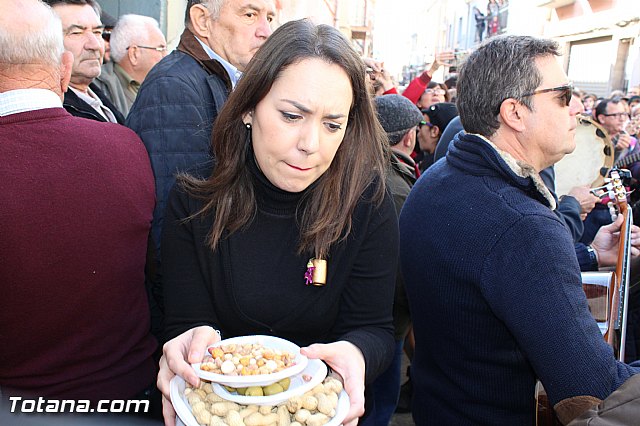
(326, 211)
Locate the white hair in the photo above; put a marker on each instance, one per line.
(130, 29)
(214, 7)
(43, 45)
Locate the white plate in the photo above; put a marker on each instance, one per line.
(185, 417)
(341, 410)
(180, 403)
(316, 369)
(259, 379)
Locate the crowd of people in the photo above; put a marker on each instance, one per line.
(261, 181)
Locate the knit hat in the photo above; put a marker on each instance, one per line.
(441, 114)
(397, 115)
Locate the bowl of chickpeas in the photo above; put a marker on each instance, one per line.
(251, 361)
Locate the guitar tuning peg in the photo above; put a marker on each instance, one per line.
(612, 211)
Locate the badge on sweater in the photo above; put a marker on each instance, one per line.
(316, 272)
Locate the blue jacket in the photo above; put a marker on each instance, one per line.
(174, 113)
(495, 294)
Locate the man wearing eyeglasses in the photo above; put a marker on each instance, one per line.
(82, 30)
(490, 270)
(137, 44)
(613, 116)
(180, 98)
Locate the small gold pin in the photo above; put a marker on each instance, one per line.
(316, 272)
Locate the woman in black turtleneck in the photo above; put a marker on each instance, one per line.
(298, 184)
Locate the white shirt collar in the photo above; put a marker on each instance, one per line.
(233, 72)
(23, 100)
(94, 102)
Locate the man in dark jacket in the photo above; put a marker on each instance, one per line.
(399, 118)
(82, 30)
(180, 98)
(490, 270)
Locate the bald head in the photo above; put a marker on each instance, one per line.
(31, 48)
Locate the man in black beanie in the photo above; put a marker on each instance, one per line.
(399, 118)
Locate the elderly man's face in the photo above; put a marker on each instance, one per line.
(83, 37)
(149, 57)
(242, 27)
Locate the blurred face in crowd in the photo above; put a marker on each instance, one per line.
(431, 96)
(83, 37)
(588, 103)
(299, 125)
(614, 119)
(242, 27)
(428, 135)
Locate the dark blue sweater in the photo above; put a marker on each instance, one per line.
(495, 294)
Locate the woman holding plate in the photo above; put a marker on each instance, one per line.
(291, 233)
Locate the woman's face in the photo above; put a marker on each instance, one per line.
(299, 125)
(431, 96)
(588, 103)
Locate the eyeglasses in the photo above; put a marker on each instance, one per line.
(617, 115)
(106, 35)
(425, 123)
(567, 92)
(159, 49)
(435, 91)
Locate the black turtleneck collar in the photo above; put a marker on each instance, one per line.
(269, 197)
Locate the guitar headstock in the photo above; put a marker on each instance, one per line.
(615, 187)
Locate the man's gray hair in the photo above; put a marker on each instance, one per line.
(503, 67)
(43, 45)
(214, 7)
(129, 30)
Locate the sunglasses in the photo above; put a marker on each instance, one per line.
(425, 123)
(567, 92)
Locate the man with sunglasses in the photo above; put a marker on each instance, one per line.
(490, 270)
(137, 44)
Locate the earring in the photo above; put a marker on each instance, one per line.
(248, 125)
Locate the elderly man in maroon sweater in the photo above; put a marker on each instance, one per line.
(77, 201)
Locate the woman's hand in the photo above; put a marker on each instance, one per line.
(345, 359)
(177, 355)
